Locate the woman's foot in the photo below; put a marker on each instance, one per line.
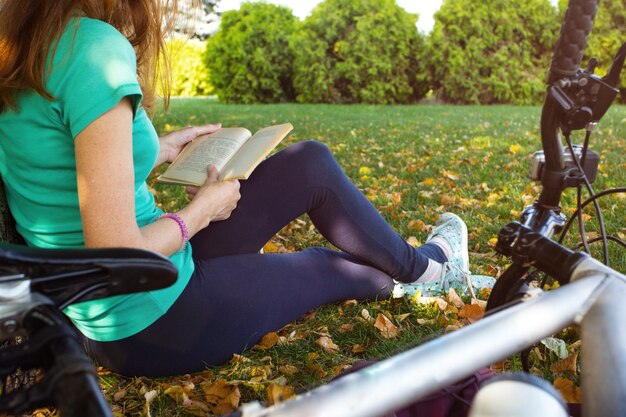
(450, 234)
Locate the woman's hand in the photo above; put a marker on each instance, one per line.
(172, 143)
(215, 200)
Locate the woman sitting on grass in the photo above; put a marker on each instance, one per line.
(77, 146)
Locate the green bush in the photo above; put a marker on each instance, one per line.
(190, 76)
(607, 37)
(249, 58)
(359, 51)
(492, 51)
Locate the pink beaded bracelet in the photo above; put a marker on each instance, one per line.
(183, 227)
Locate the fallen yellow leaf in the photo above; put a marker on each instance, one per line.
(565, 365)
(454, 298)
(223, 397)
(317, 370)
(287, 369)
(358, 349)
(177, 393)
(268, 340)
(387, 329)
(277, 394)
(568, 390)
(471, 312)
(149, 397)
(346, 328)
(327, 344)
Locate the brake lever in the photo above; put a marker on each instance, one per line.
(584, 97)
(612, 76)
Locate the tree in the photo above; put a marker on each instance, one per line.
(493, 51)
(359, 51)
(249, 58)
(607, 37)
(196, 18)
(190, 76)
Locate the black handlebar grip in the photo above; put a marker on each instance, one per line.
(573, 38)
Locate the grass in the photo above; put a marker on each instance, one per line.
(412, 162)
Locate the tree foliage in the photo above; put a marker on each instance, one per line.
(608, 36)
(189, 74)
(249, 58)
(493, 51)
(359, 51)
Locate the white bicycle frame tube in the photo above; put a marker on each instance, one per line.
(402, 379)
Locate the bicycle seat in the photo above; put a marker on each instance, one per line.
(61, 274)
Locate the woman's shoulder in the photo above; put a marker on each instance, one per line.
(84, 33)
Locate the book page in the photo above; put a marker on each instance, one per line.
(190, 167)
(254, 151)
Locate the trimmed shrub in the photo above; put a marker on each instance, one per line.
(249, 58)
(359, 51)
(190, 77)
(492, 51)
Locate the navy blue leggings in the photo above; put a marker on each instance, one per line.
(236, 295)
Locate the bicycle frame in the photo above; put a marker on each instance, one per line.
(594, 298)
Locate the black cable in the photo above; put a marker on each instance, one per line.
(586, 203)
(598, 239)
(605, 247)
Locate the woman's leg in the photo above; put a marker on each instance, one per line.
(305, 178)
(232, 301)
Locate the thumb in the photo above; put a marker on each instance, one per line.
(213, 175)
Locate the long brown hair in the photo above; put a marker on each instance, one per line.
(29, 28)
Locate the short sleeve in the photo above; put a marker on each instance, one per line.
(93, 68)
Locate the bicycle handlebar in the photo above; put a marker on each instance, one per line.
(565, 63)
(573, 38)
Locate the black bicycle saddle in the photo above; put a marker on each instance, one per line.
(63, 273)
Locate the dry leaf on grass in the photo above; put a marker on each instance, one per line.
(439, 302)
(277, 394)
(358, 349)
(387, 329)
(149, 396)
(287, 369)
(350, 303)
(177, 393)
(568, 390)
(268, 340)
(317, 370)
(346, 328)
(565, 365)
(119, 395)
(454, 299)
(223, 397)
(471, 312)
(402, 317)
(327, 344)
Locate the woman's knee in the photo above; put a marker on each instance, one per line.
(312, 157)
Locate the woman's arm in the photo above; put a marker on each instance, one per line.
(105, 177)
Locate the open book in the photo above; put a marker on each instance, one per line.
(234, 151)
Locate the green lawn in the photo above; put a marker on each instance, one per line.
(413, 163)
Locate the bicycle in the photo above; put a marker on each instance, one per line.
(35, 285)
(590, 292)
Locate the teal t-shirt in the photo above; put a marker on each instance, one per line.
(93, 68)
